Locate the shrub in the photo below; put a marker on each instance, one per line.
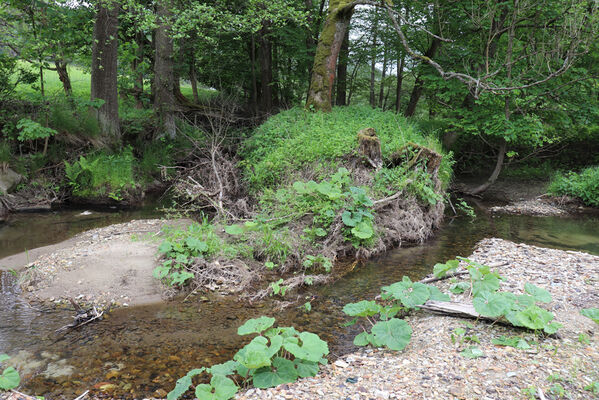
(5, 154)
(323, 138)
(583, 185)
(102, 174)
(9, 378)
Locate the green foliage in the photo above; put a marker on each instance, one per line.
(320, 138)
(32, 130)
(5, 153)
(102, 174)
(592, 313)
(472, 352)
(558, 390)
(393, 333)
(593, 387)
(275, 356)
(514, 341)
(9, 379)
(489, 302)
(180, 248)
(583, 185)
(277, 288)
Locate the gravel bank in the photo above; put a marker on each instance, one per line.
(431, 366)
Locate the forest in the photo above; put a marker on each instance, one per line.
(264, 151)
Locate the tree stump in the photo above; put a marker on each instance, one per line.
(370, 147)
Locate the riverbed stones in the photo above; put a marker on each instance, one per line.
(9, 180)
(431, 366)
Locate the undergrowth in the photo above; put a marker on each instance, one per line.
(583, 185)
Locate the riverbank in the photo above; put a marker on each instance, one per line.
(104, 266)
(431, 366)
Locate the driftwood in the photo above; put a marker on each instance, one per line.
(83, 317)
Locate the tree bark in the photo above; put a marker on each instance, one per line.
(398, 89)
(384, 74)
(419, 83)
(164, 98)
(63, 75)
(373, 65)
(265, 57)
(104, 68)
(254, 81)
(327, 51)
(341, 99)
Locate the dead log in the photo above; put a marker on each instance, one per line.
(370, 147)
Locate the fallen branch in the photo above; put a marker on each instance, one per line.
(82, 317)
(459, 273)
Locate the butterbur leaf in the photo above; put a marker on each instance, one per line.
(440, 270)
(538, 293)
(4, 357)
(592, 313)
(283, 372)
(491, 305)
(224, 369)
(254, 354)
(349, 220)
(410, 294)
(255, 325)
(312, 347)
(364, 308)
(532, 317)
(306, 368)
(165, 247)
(220, 388)
(472, 352)
(552, 327)
(394, 334)
(363, 339)
(300, 187)
(183, 384)
(9, 379)
(436, 294)
(363, 230)
(515, 341)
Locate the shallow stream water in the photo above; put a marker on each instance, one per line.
(143, 349)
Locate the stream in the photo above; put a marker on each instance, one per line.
(141, 350)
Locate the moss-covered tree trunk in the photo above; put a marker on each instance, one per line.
(104, 68)
(327, 52)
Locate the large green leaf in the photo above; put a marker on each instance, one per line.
(483, 280)
(492, 305)
(532, 317)
(4, 357)
(196, 244)
(363, 230)
(538, 293)
(255, 354)
(183, 384)
(306, 368)
(234, 230)
(410, 294)
(472, 352)
(312, 347)
(226, 368)
(349, 219)
(440, 270)
(592, 313)
(362, 308)
(394, 333)
(9, 379)
(220, 388)
(363, 339)
(436, 294)
(514, 341)
(283, 371)
(255, 325)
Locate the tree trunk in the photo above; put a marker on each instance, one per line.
(384, 74)
(265, 57)
(104, 68)
(419, 84)
(342, 71)
(398, 89)
(327, 51)
(138, 88)
(164, 98)
(63, 75)
(373, 66)
(254, 82)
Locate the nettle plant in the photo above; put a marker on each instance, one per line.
(488, 301)
(274, 357)
(383, 328)
(9, 378)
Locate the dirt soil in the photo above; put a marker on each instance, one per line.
(110, 265)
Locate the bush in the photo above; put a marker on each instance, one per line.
(102, 174)
(294, 139)
(583, 185)
(5, 154)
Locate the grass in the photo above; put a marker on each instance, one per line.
(294, 140)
